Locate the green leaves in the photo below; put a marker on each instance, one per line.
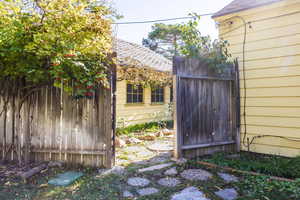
(186, 40)
(59, 41)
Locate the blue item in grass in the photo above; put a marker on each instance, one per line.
(65, 179)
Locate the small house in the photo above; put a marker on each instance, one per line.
(143, 85)
(265, 37)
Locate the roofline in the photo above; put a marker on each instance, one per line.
(243, 9)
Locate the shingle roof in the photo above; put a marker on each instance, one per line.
(130, 54)
(240, 5)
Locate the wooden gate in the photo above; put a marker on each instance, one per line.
(206, 108)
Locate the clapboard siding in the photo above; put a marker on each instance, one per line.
(272, 73)
(140, 113)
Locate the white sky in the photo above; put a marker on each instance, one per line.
(140, 10)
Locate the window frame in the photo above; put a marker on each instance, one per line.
(137, 94)
(171, 94)
(158, 95)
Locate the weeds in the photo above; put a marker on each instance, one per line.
(146, 127)
(265, 164)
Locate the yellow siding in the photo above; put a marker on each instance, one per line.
(272, 68)
(128, 114)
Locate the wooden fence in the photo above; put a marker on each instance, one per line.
(206, 108)
(61, 128)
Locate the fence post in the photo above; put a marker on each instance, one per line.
(177, 123)
(238, 106)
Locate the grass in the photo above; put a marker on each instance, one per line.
(94, 187)
(265, 164)
(252, 187)
(146, 127)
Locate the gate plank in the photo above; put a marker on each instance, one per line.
(205, 111)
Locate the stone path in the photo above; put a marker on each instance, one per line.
(147, 191)
(190, 193)
(228, 177)
(138, 182)
(171, 172)
(196, 175)
(163, 174)
(127, 194)
(227, 194)
(144, 187)
(169, 182)
(161, 146)
(148, 152)
(155, 167)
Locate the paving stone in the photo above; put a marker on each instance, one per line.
(147, 191)
(169, 182)
(162, 146)
(132, 149)
(228, 177)
(196, 175)
(190, 193)
(155, 167)
(117, 170)
(171, 172)
(127, 194)
(227, 194)
(138, 182)
(158, 159)
(144, 153)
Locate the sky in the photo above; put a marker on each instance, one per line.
(141, 10)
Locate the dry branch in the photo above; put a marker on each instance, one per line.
(33, 171)
(243, 172)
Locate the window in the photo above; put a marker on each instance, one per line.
(171, 94)
(157, 95)
(134, 94)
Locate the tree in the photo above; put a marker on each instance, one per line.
(186, 40)
(164, 39)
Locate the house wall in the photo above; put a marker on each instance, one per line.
(129, 114)
(272, 73)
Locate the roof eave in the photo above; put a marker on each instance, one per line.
(243, 9)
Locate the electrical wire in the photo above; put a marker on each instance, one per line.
(244, 75)
(275, 136)
(160, 20)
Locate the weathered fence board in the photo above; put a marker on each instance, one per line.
(205, 113)
(62, 128)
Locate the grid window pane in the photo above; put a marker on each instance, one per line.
(134, 94)
(157, 95)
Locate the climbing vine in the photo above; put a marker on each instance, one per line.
(56, 43)
(136, 73)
